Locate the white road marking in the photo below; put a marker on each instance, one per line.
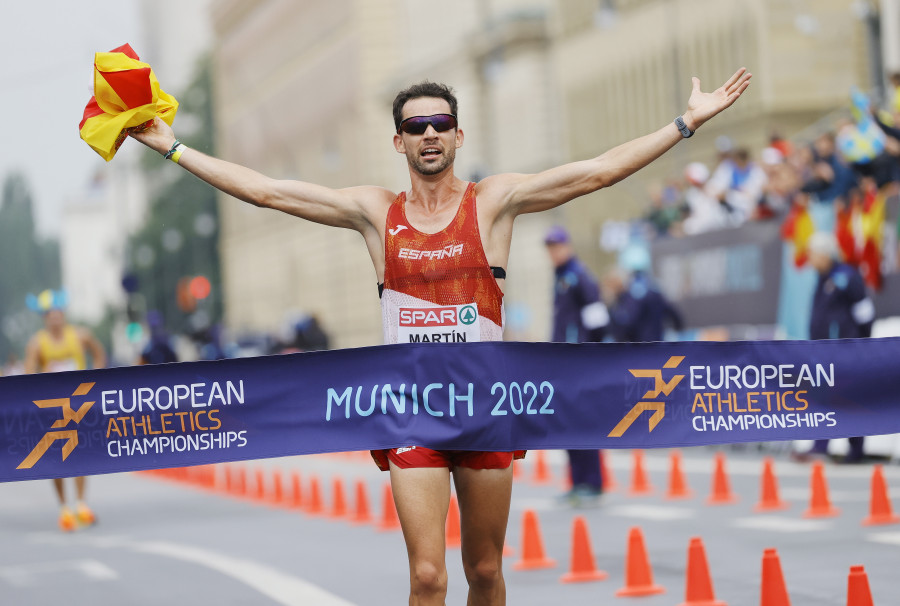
(92, 539)
(536, 503)
(781, 524)
(891, 538)
(280, 587)
(652, 512)
(23, 575)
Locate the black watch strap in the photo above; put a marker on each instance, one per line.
(682, 127)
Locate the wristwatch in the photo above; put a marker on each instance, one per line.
(682, 127)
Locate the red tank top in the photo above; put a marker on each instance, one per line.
(439, 287)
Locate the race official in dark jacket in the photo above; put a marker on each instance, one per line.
(841, 309)
(639, 312)
(579, 315)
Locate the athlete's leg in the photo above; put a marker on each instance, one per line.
(66, 517)
(60, 491)
(484, 496)
(79, 488)
(85, 516)
(422, 497)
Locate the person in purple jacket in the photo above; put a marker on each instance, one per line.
(579, 316)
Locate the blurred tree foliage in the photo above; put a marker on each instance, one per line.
(180, 237)
(30, 265)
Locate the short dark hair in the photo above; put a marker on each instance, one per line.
(422, 89)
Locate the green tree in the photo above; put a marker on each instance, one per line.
(180, 237)
(31, 264)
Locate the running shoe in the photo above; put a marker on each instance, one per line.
(86, 517)
(67, 522)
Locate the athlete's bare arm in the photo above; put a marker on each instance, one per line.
(351, 208)
(32, 356)
(94, 347)
(532, 193)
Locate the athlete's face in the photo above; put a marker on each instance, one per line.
(54, 319)
(431, 152)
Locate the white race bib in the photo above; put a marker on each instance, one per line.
(61, 365)
(439, 324)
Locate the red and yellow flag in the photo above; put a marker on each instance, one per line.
(127, 96)
(859, 231)
(797, 228)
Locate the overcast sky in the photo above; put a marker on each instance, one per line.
(46, 61)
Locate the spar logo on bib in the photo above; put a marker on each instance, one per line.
(444, 324)
(429, 318)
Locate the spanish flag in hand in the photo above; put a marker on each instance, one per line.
(126, 97)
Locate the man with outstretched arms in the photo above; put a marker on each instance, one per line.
(439, 251)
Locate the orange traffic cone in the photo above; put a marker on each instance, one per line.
(699, 587)
(453, 529)
(541, 469)
(819, 503)
(858, 592)
(229, 479)
(277, 496)
(240, 484)
(389, 518)
(721, 489)
(582, 568)
(296, 491)
(210, 477)
(880, 511)
(361, 513)
(606, 475)
(338, 502)
(678, 488)
(773, 590)
(260, 494)
(533, 556)
(314, 506)
(638, 574)
(769, 499)
(640, 485)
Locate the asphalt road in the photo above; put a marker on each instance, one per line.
(163, 542)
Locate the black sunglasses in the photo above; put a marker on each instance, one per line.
(417, 125)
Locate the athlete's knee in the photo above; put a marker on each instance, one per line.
(484, 572)
(429, 578)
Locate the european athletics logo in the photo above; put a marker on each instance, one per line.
(69, 435)
(660, 387)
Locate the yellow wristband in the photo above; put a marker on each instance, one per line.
(178, 151)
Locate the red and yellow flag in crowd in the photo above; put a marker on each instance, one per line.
(797, 228)
(126, 97)
(858, 229)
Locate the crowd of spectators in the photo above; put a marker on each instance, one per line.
(856, 156)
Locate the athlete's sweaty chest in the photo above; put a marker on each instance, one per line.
(431, 222)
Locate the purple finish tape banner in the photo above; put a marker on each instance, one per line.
(466, 396)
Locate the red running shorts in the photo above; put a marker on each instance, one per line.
(419, 456)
